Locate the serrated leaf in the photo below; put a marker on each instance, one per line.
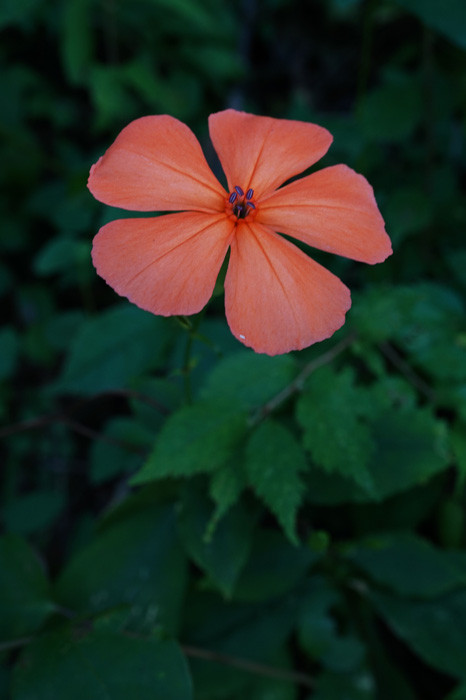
(410, 565)
(75, 664)
(273, 462)
(330, 413)
(25, 600)
(434, 629)
(410, 448)
(135, 561)
(249, 379)
(196, 439)
(111, 349)
(225, 489)
(222, 555)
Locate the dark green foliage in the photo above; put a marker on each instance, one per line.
(182, 518)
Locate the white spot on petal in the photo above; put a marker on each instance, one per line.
(243, 337)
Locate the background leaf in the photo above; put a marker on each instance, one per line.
(101, 665)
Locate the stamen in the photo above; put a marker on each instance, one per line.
(251, 205)
(249, 193)
(239, 190)
(232, 197)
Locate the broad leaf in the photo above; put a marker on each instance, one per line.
(221, 554)
(111, 349)
(25, 599)
(76, 664)
(134, 561)
(447, 17)
(410, 565)
(435, 629)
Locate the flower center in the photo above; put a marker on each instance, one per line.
(240, 205)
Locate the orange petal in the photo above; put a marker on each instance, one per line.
(156, 164)
(261, 152)
(333, 209)
(277, 299)
(167, 265)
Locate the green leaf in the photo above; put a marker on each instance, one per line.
(330, 413)
(392, 112)
(9, 350)
(25, 599)
(196, 439)
(33, 512)
(435, 629)
(135, 561)
(223, 555)
(253, 632)
(21, 15)
(273, 461)
(274, 567)
(407, 211)
(458, 444)
(61, 255)
(458, 694)
(77, 39)
(410, 565)
(317, 629)
(122, 452)
(410, 448)
(111, 349)
(112, 101)
(225, 488)
(359, 685)
(249, 379)
(75, 664)
(446, 17)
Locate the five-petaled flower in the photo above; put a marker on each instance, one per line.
(277, 298)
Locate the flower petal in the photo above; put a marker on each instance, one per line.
(277, 299)
(156, 164)
(167, 265)
(261, 152)
(333, 209)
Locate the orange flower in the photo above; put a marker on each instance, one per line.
(277, 299)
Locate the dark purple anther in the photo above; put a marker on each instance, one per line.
(251, 205)
(249, 193)
(232, 197)
(239, 190)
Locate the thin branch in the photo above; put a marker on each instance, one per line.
(15, 644)
(297, 384)
(406, 370)
(250, 666)
(95, 435)
(44, 421)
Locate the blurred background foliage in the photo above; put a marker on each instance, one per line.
(185, 519)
